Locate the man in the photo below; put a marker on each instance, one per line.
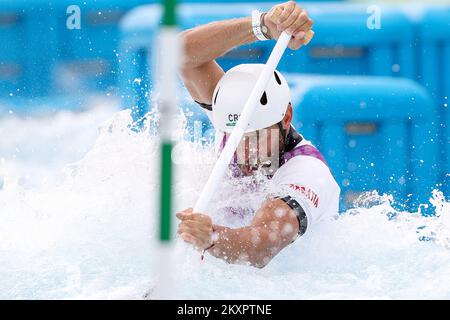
(312, 194)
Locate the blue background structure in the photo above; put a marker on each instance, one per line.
(375, 101)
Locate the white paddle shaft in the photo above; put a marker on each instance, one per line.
(232, 143)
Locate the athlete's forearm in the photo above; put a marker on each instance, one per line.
(244, 245)
(208, 42)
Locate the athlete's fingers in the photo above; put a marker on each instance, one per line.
(303, 18)
(182, 227)
(195, 229)
(189, 215)
(280, 13)
(303, 29)
(299, 41)
(185, 214)
(186, 230)
(196, 241)
(296, 41)
(288, 8)
(299, 37)
(300, 25)
(295, 26)
(305, 25)
(291, 19)
(188, 238)
(200, 237)
(274, 14)
(207, 227)
(203, 218)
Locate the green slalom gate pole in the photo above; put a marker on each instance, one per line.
(168, 58)
(167, 63)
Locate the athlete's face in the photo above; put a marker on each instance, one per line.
(259, 150)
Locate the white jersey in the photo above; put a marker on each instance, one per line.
(310, 182)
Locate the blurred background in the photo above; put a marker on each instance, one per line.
(371, 90)
(79, 156)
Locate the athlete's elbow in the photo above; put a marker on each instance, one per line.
(261, 258)
(190, 50)
(261, 262)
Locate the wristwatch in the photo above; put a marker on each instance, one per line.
(259, 29)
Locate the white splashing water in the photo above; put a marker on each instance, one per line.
(87, 231)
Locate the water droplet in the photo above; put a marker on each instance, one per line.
(352, 143)
(351, 166)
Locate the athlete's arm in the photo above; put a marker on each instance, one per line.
(204, 44)
(274, 226)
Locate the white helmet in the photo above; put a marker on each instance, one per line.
(233, 90)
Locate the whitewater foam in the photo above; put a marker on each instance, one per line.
(88, 231)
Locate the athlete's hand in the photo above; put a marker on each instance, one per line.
(289, 17)
(195, 228)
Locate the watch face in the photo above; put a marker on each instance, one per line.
(264, 29)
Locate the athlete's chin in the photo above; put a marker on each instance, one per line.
(249, 171)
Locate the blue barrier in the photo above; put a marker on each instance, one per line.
(66, 61)
(376, 133)
(138, 30)
(43, 57)
(25, 63)
(344, 43)
(88, 57)
(435, 76)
